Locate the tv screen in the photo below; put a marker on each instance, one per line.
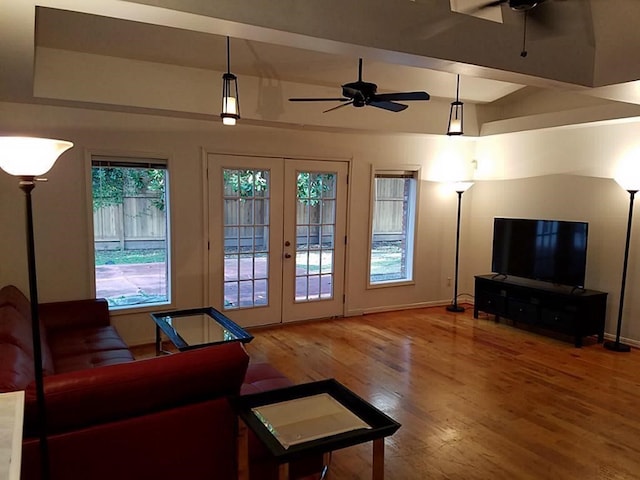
(550, 250)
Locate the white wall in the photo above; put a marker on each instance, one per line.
(566, 174)
(62, 206)
(561, 173)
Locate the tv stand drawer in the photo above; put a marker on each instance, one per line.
(522, 311)
(493, 303)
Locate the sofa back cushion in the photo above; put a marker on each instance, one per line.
(111, 393)
(11, 296)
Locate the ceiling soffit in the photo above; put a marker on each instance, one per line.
(565, 52)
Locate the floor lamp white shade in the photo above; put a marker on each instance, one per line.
(30, 156)
(462, 186)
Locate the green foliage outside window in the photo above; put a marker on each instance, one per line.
(112, 185)
(311, 186)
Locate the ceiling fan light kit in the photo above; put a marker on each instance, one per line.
(230, 100)
(361, 94)
(455, 126)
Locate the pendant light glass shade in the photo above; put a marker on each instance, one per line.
(230, 102)
(30, 156)
(455, 126)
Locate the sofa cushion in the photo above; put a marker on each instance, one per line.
(87, 348)
(261, 377)
(88, 360)
(78, 399)
(86, 340)
(17, 368)
(11, 295)
(15, 328)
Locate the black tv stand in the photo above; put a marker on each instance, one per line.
(542, 305)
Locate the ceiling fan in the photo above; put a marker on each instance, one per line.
(360, 94)
(528, 8)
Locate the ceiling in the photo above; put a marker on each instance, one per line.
(577, 63)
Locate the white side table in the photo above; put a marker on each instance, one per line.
(11, 420)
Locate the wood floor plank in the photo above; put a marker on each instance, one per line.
(476, 399)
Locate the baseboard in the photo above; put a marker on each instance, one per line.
(392, 308)
(626, 341)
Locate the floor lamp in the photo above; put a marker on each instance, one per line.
(28, 158)
(460, 188)
(616, 346)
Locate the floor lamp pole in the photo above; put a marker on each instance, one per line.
(454, 307)
(27, 185)
(616, 346)
(28, 158)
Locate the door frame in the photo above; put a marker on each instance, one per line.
(210, 297)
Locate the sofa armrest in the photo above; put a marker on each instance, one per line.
(104, 394)
(74, 314)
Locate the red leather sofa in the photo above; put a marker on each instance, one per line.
(110, 416)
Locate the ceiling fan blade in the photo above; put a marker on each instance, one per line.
(339, 106)
(390, 106)
(402, 96)
(319, 99)
(477, 8)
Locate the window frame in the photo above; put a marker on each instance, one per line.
(413, 213)
(122, 159)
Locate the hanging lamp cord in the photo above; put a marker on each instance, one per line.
(228, 58)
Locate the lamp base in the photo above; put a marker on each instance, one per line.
(617, 347)
(455, 308)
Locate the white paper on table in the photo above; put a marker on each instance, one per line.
(308, 418)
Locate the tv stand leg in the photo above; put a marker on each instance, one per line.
(578, 342)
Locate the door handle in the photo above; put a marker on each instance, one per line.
(287, 255)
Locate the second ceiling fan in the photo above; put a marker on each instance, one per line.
(360, 94)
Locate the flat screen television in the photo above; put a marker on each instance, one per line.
(549, 250)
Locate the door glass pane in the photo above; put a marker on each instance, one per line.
(246, 238)
(315, 227)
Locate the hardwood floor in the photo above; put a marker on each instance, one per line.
(476, 399)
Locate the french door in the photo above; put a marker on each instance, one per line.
(277, 238)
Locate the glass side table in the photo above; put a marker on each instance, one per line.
(197, 327)
(307, 419)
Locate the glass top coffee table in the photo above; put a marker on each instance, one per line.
(197, 327)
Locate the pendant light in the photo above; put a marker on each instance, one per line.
(455, 114)
(230, 102)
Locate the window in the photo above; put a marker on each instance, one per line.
(393, 227)
(130, 229)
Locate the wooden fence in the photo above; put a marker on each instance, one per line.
(138, 224)
(135, 224)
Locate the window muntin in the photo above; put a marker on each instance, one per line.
(131, 231)
(247, 203)
(315, 236)
(393, 227)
